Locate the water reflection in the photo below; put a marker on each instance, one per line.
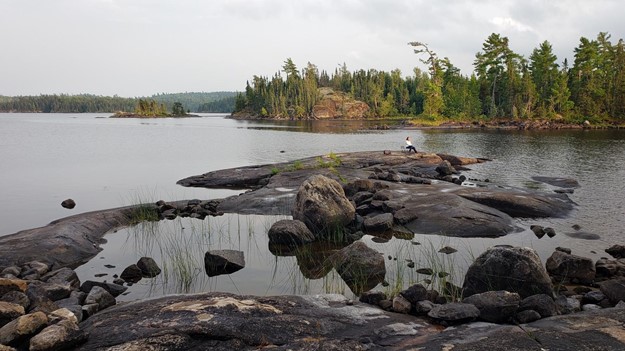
(320, 126)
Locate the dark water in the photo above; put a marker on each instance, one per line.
(104, 163)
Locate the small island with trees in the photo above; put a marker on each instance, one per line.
(151, 109)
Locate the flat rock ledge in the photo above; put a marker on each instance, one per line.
(221, 321)
(425, 190)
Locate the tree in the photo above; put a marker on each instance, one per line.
(545, 75)
(178, 109)
(434, 102)
(498, 70)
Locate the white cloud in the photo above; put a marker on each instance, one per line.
(510, 23)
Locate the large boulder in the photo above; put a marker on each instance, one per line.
(495, 306)
(322, 205)
(290, 233)
(361, 267)
(567, 266)
(514, 269)
(218, 262)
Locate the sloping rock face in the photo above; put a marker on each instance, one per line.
(513, 269)
(333, 104)
(322, 205)
(219, 321)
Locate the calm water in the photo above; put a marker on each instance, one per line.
(103, 163)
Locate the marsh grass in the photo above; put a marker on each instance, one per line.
(446, 269)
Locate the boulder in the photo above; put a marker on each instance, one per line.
(132, 273)
(361, 267)
(543, 304)
(423, 307)
(60, 336)
(508, 268)
(290, 233)
(322, 205)
(454, 312)
(148, 267)
(63, 276)
(51, 291)
(495, 306)
(614, 290)
(566, 266)
(22, 328)
(68, 203)
(616, 251)
(218, 262)
(606, 268)
(9, 311)
(415, 293)
(101, 297)
(379, 223)
(16, 297)
(445, 168)
(567, 305)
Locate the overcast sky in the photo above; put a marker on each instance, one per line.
(143, 47)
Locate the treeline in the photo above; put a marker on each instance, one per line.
(504, 85)
(93, 103)
(224, 105)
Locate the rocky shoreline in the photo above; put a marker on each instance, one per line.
(509, 299)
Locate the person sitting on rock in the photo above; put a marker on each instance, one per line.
(409, 145)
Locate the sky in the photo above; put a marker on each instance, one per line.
(137, 48)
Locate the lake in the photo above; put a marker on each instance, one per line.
(103, 163)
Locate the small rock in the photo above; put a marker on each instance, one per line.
(101, 297)
(616, 251)
(567, 305)
(447, 250)
(543, 304)
(455, 312)
(527, 316)
(217, 262)
(426, 271)
(372, 297)
(69, 204)
(550, 232)
(564, 249)
(148, 267)
(132, 273)
(401, 305)
(538, 231)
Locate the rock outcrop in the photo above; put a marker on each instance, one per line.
(335, 104)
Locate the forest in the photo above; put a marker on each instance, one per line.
(504, 85)
(222, 101)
